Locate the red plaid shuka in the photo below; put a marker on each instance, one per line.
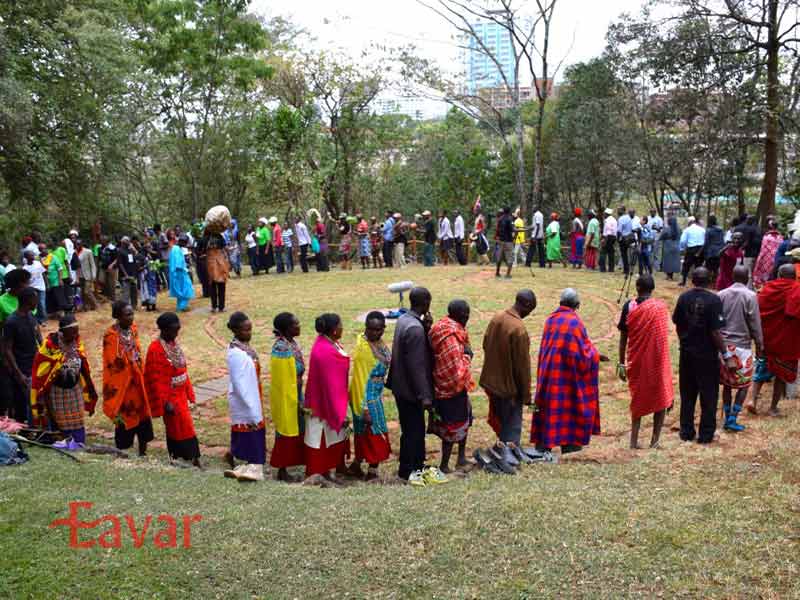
(567, 392)
(451, 371)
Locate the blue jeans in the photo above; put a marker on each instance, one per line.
(428, 255)
(41, 310)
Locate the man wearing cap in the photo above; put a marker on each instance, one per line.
(609, 239)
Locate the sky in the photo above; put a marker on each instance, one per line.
(579, 26)
(353, 26)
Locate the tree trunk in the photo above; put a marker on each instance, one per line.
(537, 199)
(766, 204)
(519, 171)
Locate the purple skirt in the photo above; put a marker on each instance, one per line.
(250, 446)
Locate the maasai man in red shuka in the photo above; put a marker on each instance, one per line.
(452, 382)
(644, 328)
(567, 393)
(779, 305)
(170, 390)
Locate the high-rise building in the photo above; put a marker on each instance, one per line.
(419, 109)
(491, 40)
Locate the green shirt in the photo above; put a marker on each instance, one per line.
(8, 304)
(52, 270)
(264, 235)
(593, 229)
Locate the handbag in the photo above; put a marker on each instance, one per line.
(314, 245)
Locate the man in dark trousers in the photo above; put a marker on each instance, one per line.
(411, 381)
(506, 373)
(699, 320)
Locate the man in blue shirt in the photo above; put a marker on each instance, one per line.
(388, 238)
(693, 240)
(626, 236)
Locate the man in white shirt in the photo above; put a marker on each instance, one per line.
(609, 239)
(445, 238)
(34, 266)
(30, 246)
(458, 233)
(537, 239)
(303, 242)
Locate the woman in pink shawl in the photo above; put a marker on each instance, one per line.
(326, 402)
(765, 262)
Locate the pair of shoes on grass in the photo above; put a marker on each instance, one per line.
(427, 476)
(248, 472)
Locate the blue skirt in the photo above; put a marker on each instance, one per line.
(250, 446)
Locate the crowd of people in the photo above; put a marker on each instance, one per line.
(747, 331)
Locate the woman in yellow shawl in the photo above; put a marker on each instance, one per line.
(370, 365)
(61, 384)
(286, 369)
(124, 396)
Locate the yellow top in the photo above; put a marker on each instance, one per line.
(519, 223)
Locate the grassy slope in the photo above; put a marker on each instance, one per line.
(722, 521)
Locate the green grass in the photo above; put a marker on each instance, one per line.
(722, 521)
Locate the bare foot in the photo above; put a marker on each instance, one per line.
(752, 409)
(228, 458)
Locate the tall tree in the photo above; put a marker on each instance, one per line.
(199, 51)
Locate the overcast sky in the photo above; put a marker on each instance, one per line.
(579, 26)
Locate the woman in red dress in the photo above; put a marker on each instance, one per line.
(170, 390)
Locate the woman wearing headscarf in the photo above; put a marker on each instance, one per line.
(553, 243)
(326, 443)
(62, 385)
(170, 390)
(576, 239)
(124, 393)
(671, 250)
(248, 435)
(180, 283)
(286, 368)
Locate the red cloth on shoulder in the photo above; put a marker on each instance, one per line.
(648, 360)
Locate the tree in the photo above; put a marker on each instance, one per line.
(529, 39)
(592, 135)
(199, 52)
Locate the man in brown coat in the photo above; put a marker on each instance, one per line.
(506, 374)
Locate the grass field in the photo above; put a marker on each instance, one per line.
(721, 521)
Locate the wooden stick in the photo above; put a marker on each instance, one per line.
(25, 440)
